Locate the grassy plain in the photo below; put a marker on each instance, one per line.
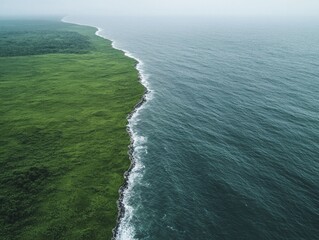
(65, 95)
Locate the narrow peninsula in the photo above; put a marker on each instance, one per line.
(65, 96)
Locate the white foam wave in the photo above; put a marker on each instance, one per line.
(125, 229)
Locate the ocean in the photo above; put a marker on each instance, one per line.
(227, 144)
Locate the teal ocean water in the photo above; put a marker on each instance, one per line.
(227, 144)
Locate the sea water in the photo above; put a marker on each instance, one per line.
(227, 144)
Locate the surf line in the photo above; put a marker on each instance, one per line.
(122, 231)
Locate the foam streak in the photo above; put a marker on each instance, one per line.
(124, 230)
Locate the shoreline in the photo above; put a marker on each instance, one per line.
(129, 129)
(137, 107)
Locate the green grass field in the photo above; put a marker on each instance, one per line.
(65, 95)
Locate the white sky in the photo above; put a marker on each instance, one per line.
(161, 7)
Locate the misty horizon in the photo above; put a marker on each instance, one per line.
(249, 8)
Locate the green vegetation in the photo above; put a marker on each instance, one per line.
(34, 38)
(65, 95)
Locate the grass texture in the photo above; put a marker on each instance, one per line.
(65, 95)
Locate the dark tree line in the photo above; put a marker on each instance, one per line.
(24, 43)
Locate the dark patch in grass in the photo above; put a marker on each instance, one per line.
(22, 189)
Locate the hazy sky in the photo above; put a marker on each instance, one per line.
(161, 7)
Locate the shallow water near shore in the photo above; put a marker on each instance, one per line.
(227, 146)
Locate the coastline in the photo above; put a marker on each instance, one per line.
(130, 118)
(138, 107)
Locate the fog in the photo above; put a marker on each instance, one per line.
(161, 7)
